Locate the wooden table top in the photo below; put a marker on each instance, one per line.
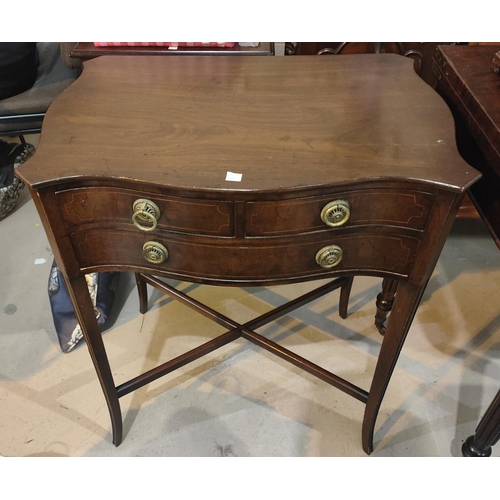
(281, 122)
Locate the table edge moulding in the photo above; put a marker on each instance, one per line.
(343, 166)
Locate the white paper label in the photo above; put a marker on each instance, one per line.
(231, 176)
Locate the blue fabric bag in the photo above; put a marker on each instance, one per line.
(102, 289)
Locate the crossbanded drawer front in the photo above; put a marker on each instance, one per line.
(101, 205)
(408, 209)
(253, 260)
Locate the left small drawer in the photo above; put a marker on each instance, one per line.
(82, 208)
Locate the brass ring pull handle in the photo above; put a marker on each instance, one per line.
(336, 213)
(145, 211)
(154, 252)
(329, 256)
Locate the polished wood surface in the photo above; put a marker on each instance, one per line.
(193, 119)
(170, 129)
(420, 52)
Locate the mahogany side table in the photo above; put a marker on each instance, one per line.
(249, 171)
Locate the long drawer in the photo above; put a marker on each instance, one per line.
(258, 259)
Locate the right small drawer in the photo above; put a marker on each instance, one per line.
(402, 208)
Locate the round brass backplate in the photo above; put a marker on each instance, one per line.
(145, 211)
(336, 213)
(329, 256)
(154, 252)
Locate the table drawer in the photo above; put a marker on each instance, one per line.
(408, 209)
(107, 206)
(257, 260)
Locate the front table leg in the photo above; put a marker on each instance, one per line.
(405, 306)
(79, 294)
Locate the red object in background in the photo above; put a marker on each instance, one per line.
(164, 44)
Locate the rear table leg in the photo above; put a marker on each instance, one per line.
(143, 293)
(384, 303)
(345, 293)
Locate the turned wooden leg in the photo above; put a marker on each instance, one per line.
(385, 299)
(405, 306)
(143, 293)
(84, 310)
(345, 292)
(487, 432)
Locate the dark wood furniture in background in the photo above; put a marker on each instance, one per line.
(87, 50)
(420, 52)
(487, 432)
(348, 165)
(467, 81)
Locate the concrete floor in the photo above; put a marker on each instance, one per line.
(241, 401)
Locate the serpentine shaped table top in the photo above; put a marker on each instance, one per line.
(281, 122)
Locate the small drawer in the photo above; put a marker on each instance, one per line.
(108, 206)
(408, 209)
(259, 260)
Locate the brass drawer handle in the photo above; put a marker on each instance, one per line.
(145, 211)
(154, 252)
(329, 256)
(336, 213)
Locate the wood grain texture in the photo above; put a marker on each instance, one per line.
(368, 207)
(98, 206)
(253, 261)
(282, 122)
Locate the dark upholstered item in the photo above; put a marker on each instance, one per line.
(18, 67)
(53, 77)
